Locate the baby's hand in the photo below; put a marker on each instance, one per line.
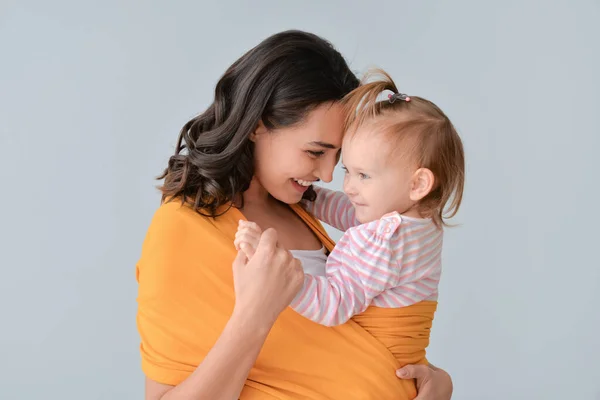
(247, 238)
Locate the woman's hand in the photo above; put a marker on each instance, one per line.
(266, 284)
(432, 383)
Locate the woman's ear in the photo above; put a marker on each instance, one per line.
(260, 130)
(422, 183)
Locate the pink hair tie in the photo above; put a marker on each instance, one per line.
(398, 96)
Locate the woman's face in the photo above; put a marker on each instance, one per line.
(289, 160)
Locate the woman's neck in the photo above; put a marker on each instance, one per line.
(257, 196)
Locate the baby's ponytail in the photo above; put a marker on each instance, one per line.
(364, 102)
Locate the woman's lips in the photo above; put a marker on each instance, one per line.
(299, 187)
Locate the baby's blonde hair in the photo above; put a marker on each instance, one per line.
(434, 142)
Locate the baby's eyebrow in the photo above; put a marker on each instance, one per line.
(323, 144)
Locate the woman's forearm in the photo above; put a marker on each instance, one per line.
(222, 373)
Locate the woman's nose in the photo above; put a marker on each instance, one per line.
(325, 169)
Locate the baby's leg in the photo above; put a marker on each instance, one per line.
(247, 238)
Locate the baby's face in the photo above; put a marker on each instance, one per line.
(378, 180)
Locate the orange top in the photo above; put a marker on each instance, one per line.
(186, 297)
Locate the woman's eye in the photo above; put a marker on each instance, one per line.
(315, 153)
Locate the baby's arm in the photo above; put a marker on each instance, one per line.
(360, 267)
(333, 208)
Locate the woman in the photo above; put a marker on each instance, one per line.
(210, 332)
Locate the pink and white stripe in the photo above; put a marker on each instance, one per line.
(392, 262)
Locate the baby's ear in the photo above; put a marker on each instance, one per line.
(422, 183)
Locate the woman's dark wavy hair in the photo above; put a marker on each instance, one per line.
(277, 82)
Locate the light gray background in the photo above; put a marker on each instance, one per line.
(92, 96)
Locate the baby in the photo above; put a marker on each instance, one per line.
(404, 165)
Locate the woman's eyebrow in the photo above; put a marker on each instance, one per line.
(323, 144)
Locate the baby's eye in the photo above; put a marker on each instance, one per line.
(345, 169)
(363, 176)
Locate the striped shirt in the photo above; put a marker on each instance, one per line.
(392, 262)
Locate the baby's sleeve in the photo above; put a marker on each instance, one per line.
(334, 208)
(361, 266)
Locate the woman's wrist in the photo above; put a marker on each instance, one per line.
(250, 323)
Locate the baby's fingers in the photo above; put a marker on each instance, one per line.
(253, 226)
(251, 238)
(247, 249)
(236, 242)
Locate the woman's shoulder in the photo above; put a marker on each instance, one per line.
(182, 247)
(176, 211)
(178, 232)
(177, 218)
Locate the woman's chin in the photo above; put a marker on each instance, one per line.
(288, 196)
